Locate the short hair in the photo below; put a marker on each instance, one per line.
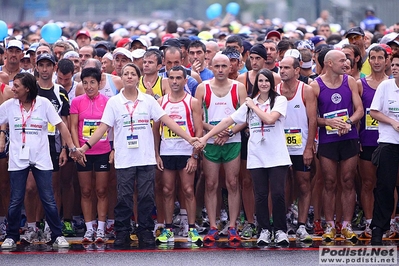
(171, 26)
(45, 44)
(378, 48)
(156, 52)
(134, 66)
(197, 44)
(93, 53)
(234, 39)
(173, 50)
(179, 68)
(91, 72)
(394, 55)
(64, 44)
(97, 63)
(284, 45)
(296, 63)
(65, 66)
(29, 81)
(322, 55)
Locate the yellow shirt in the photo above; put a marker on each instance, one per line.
(156, 89)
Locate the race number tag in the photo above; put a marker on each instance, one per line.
(293, 137)
(132, 141)
(24, 153)
(343, 114)
(50, 129)
(89, 126)
(169, 134)
(371, 123)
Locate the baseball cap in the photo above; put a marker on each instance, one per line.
(124, 52)
(260, 50)
(83, 32)
(355, 30)
(122, 42)
(184, 41)
(170, 42)
(70, 54)
(390, 37)
(33, 47)
(293, 53)
(26, 55)
(15, 43)
(45, 56)
(386, 47)
(104, 44)
(316, 39)
(273, 33)
(138, 53)
(142, 41)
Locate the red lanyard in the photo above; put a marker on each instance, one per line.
(24, 121)
(131, 114)
(263, 124)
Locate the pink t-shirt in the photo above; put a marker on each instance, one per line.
(90, 112)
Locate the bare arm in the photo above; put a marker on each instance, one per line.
(311, 112)
(96, 136)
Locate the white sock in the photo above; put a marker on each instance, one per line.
(110, 222)
(393, 221)
(89, 226)
(2, 218)
(46, 226)
(183, 212)
(101, 225)
(345, 223)
(33, 225)
(368, 221)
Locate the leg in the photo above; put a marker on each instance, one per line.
(277, 182)
(146, 201)
(159, 196)
(211, 172)
(168, 179)
(187, 185)
(124, 206)
(367, 173)
(67, 191)
(31, 199)
(86, 191)
(347, 173)
(260, 179)
(232, 170)
(247, 192)
(329, 172)
(303, 182)
(102, 195)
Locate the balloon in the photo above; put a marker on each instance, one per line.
(233, 8)
(3, 30)
(51, 32)
(214, 11)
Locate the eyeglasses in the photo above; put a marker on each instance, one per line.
(354, 37)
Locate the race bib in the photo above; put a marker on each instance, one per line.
(371, 123)
(169, 134)
(343, 114)
(293, 137)
(51, 129)
(132, 141)
(89, 126)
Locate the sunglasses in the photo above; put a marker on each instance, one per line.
(354, 37)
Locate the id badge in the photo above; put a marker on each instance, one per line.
(132, 142)
(24, 153)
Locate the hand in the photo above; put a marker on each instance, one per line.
(77, 155)
(221, 141)
(193, 140)
(196, 66)
(200, 144)
(62, 160)
(395, 126)
(191, 165)
(344, 130)
(111, 156)
(336, 123)
(224, 133)
(159, 163)
(250, 103)
(307, 156)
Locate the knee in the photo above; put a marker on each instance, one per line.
(86, 193)
(101, 193)
(330, 184)
(247, 182)
(211, 185)
(168, 191)
(189, 193)
(367, 185)
(348, 183)
(232, 184)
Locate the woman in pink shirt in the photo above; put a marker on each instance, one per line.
(86, 112)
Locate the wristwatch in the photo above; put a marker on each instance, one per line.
(195, 156)
(231, 133)
(348, 121)
(72, 149)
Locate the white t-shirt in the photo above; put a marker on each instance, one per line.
(36, 133)
(132, 148)
(386, 100)
(272, 151)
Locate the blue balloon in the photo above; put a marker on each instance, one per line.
(51, 32)
(233, 8)
(214, 11)
(3, 30)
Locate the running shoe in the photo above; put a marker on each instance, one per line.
(338, 228)
(166, 236)
(110, 232)
(67, 229)
(183, 226)
(79, 226)
(281, 238)
(60, 242)
(329, 234)
(100, 236)
(193, 236)
(302, 235)
(247, 231)
(200, 229)
(348, 233)
(9, 243)
(318, 229)
(3, 229)
(232, 235)
(223, 215)
(224, 231)
(212, 235)
(46, 235)
(158, 228)
(393, 231)
(88, 237)
(30, 236)
(264, 238)
(367, 232)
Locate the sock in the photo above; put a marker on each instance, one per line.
(332, 223)
(46, 227)
(101, 225)
(368, 221)
(392, 221)
(110, 222)
(2, 218)
(89, 226)
(183, 212)
(345, 223)
(299, 224)
(33, 225)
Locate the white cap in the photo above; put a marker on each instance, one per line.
(15, 43)
(293, 53)
(138, 53)
(124, 52)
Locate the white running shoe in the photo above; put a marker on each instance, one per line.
(100, 236)
(264, 238)
(88, 237)
(60, 242)
(281, 238)
(302, 235)
(9, 243)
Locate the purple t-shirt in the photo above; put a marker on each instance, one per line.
(368, 131)
(90, 112)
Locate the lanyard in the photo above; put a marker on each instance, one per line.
(263, 124)
(131, 114)
(24, 121)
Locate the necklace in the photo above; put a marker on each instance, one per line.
(261, 99)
